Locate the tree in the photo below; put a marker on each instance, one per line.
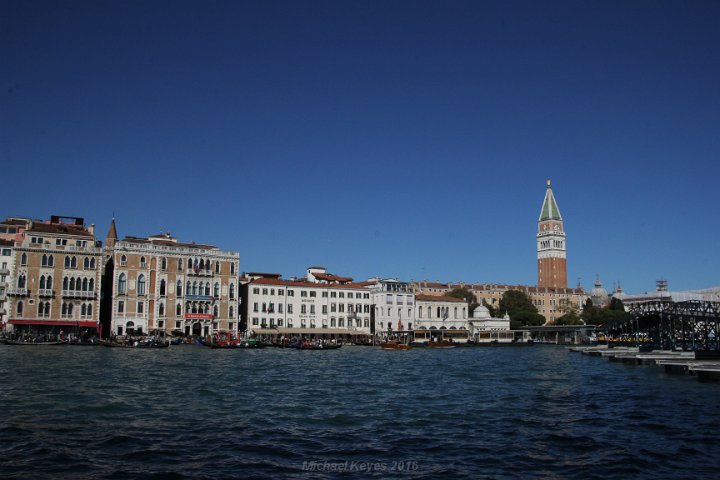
(465, 294)
(570, 313)
(491, 309)
(520, 308)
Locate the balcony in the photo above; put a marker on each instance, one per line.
(46, 292)
(4, 271)
(18, 292)
(199, 273)
(78, 294)
(204, 298)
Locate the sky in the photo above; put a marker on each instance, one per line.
(406, 139)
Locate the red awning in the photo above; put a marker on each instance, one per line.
(60, 323)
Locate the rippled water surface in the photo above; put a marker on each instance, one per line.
(193, 412)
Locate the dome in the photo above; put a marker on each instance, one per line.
(481, 311)
(598, 295)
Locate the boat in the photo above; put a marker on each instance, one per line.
(315, 346)
(34, 344)
(394, 345)
(441, 344)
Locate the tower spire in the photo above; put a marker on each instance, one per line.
(549, 210)
(112, 236)
(551, 244)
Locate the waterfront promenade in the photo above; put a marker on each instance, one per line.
(194, 412)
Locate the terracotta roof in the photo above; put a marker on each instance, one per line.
(437, 298)
(59, 228)
(112, 231)
(168, 243)
(304, 284)
(331, 278)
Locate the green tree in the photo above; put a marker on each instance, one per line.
(520, 308)
(491, 309)
(570, 313)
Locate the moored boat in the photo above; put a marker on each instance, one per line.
(35, 344)
(394, 345)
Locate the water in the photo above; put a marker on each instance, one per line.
(193, 412)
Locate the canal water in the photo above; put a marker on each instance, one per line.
(357, 412)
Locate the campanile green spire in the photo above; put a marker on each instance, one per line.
(550, 210)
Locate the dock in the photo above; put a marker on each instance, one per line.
(672, 361)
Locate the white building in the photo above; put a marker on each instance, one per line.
(320, 304)
(394, 305)
(441, 312)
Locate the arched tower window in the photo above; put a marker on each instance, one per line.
(141, 285)
(122, 283)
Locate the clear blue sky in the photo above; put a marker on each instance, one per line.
(390, 138)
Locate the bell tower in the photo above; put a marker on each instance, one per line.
(551, 246)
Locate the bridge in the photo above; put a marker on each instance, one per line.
(692, 325)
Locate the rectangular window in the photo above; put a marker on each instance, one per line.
(255, 307)
(333, 294)
(333, 307)
(324, 294)
(121, 306)
(264, 291)
(231, 326)
(291, 293)
(281, 292)
(342, 294)
(303, 293)
(312, 309)
(324, 309)
(272, 291)
(256, 321)
(290, 308)
(6, 252)
(312, 294)
(303, 308)
(342, 307)
(350, 295)
(256, 291)
(161, 324)
(177, 325)
(140, 307)
(280, 308)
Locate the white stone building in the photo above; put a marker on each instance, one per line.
(394, 305)
(320, 304)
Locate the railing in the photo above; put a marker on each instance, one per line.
(78, 294)
(207, 298)
(4, 271)
(202, 273)
(17, 291)
(46, 292)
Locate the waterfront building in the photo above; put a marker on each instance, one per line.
(663, 293)
(53, 274)
(158, 284)
(440, 312)
(319, 304)
(547, 300)
(394, 303)
(482, 321)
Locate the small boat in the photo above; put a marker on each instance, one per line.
(395, 345)
(251, 343)
(35, 344)
(441, 344)
(315, 346)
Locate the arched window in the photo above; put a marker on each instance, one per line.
(123, 260)
(19, 309)
(86, 263)
(92, 263)
(232, 312)
(89, 310)
(179, 264)
(142, 262)
(70, 309)
(72, 284)
(194, 288)
(85, 285)
(163, 263)
(232, 291)
(23, 259)
(178, 288)
(217, 267)
(215, 311)
(207, 288)
(48, 284)
(216, 290)
(91, 285)
(190, 263)
(63, 310)
(141, 285)
(73, 262)
(65, 284)
(161, 309)
(194, 308)
(67, 262)
(202, 264)
(21, 281)
(188, 288)
(178, 309)
(44, 261)
(232, 268)
(42, 282)
(51, 261)
(122, 283)
(162, 287)
(83, 310)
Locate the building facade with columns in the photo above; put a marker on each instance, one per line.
(53, 275)
(158, 284)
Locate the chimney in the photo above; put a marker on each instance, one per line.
(92, 229)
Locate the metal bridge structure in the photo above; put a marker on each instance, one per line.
(692, 325)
